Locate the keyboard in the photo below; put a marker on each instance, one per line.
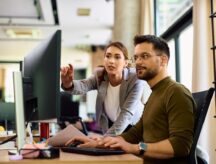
(92, 151)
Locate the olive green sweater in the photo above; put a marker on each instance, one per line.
(168, 114)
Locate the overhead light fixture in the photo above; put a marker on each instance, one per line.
(83, 11)
(19, 33)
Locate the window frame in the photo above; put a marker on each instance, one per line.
(173, 32)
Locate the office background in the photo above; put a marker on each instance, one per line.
(88, 27)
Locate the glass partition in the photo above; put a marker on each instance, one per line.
(6, 79)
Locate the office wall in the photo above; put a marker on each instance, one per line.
(78, 58)
(16, 50)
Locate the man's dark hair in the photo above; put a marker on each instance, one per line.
(159, 44)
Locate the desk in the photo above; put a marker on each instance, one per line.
(69, 158)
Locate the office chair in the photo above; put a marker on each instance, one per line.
(202, 100)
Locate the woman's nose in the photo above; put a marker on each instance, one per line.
(111, 60)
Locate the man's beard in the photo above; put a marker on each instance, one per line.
(148, 74)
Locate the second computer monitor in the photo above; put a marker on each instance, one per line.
(41, 78)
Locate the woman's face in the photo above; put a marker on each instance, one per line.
(114, 61)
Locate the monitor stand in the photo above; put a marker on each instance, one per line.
(19, 109)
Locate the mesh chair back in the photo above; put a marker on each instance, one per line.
(202, 100)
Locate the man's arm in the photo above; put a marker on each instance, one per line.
(161, 150)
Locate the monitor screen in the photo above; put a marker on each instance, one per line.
(69, 108)
(41, 79)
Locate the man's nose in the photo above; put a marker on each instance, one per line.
(138, 61)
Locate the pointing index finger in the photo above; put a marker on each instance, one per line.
(71, 67)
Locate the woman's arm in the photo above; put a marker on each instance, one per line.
(91, 83)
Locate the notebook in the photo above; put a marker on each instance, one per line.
(64, 135)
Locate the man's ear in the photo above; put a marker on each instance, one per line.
(164, 59)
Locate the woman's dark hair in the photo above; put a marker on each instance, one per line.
(120, 46)
(159, 44)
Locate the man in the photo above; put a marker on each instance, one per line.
(164, 134)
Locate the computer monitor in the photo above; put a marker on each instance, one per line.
(19, 109)
(41, 79)
(69, 108)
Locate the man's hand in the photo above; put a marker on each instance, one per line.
(67, 76)
(96, 137)
(119, 143)
(86, 142)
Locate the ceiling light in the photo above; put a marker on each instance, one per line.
(23, 33)
(83, 11)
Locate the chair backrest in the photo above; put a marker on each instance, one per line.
(202, 100)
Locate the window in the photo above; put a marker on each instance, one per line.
(186, 56)
(176, 27)
(172, 60)
(168, 11)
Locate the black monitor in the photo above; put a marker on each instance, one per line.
(69, 108)
(41, 79)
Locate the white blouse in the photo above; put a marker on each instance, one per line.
(111, 102)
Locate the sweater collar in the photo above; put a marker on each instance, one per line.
(161, 83)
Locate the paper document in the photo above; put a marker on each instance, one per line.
(64, 135)
(9, 145)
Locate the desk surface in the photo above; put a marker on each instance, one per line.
(66, 158)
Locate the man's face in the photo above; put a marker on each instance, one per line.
(147, 61)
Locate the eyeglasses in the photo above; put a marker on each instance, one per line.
(143, 56)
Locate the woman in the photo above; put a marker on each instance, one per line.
(118, 103)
